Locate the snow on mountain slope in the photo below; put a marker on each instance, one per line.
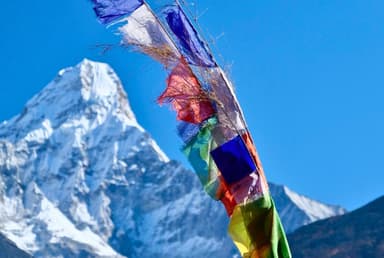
(79, 177)
(10, 250)
(297, 210)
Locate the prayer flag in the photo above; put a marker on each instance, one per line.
(108, 11)
(189, 100)
(257, 231)
(197, 152)
(260, 171)
(187, 131)
(233, 160)
(228, 112)
(143, 30)
(192, 46)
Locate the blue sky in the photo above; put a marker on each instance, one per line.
(308, 74)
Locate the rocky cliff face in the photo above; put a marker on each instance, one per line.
(81, 178)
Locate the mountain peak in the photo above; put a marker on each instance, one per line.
(87, 94)
(296, 209)
(92, 83)
(73, 165)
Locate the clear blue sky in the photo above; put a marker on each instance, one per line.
(309, 76)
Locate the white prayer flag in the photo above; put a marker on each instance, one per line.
(143, 30)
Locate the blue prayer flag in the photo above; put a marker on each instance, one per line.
(108, 11)
(233, 160)
(192, 46)
(187, 131)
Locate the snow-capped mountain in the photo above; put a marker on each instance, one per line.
(79, 177)
(297, 210)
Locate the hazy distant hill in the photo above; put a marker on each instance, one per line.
(358, 234)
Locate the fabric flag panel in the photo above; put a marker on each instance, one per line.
(257, 231)
(189, 100)
(143, 31)
(192, 46)
(187, 131)
(228, 113)
(225, 196)
(247, 189)
(108, 11)
(233, 160)
(197, 152)
(252, 150)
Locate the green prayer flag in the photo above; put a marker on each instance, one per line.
(198, 154)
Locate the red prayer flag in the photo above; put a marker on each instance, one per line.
(184, 91)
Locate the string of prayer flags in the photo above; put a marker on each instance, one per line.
(216, 140)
